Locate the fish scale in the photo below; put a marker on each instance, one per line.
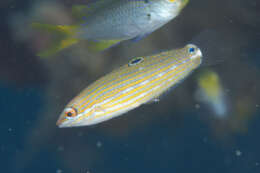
(117, 21)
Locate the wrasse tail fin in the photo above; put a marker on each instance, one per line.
(63, 37)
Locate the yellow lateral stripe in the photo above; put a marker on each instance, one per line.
(174, 73)
(157, 72)
(136, 102)
(143, 86)
(125, 87)
(79, 119)
(117, 79)
(148, 96)
(152, 59)
(122, 88)
(111, 76)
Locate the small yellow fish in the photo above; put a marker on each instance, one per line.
(142, 80)
(210, 91)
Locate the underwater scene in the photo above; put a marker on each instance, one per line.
(130, 86)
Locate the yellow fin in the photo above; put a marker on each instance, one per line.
(97, 46)
(64, 37)
(58, 47)
(209, 81)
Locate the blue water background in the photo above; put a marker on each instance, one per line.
(169, 136)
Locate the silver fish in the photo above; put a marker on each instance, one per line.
(108, 22)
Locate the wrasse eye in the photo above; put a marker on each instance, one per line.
(71, 112)
(191, 50)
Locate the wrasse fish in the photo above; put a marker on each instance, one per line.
(105, 23)
(211, 92)
(140, 81)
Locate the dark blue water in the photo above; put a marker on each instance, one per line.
(177, 134)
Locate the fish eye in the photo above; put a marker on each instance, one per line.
(70, 112)
(192, 50)
(135, 61)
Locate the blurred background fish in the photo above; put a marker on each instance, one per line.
(211, 92)
(105, 23)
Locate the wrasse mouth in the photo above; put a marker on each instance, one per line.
(60, 123)
(199, 53)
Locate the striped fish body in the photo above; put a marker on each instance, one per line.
(128, 19)
(140, 81)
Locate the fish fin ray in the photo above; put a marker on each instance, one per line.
(63, 37)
